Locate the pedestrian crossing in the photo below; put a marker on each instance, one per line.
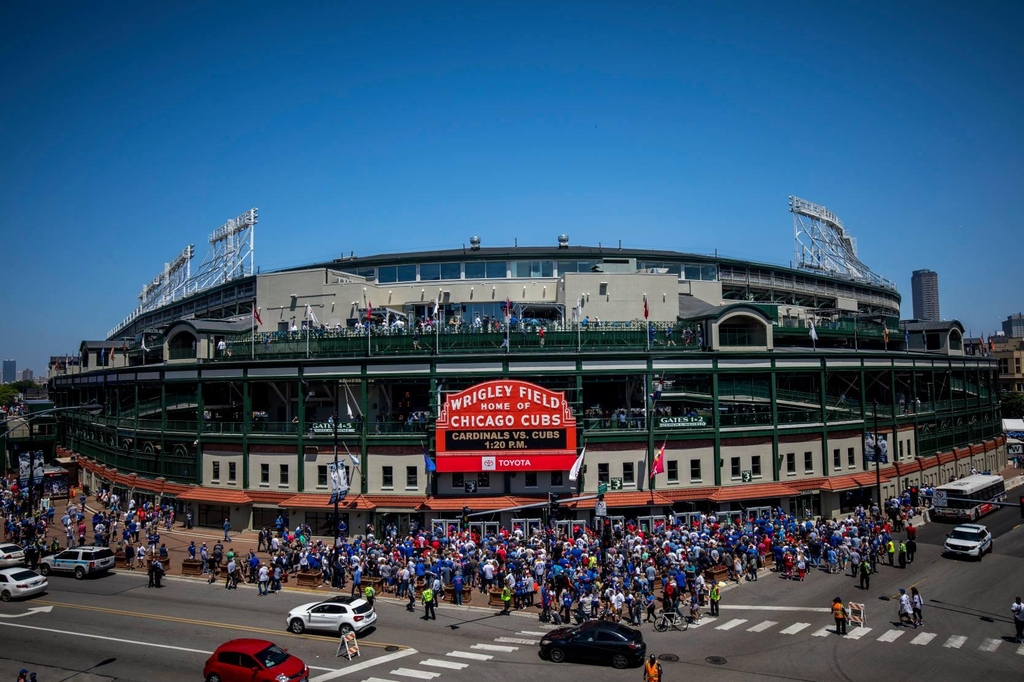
(913, 637)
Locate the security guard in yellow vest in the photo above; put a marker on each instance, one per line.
(428, 604)
(506, 599)
(652, 670)
(890, 549)
(714, 596)
(369, 593)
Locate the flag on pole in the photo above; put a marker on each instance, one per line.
(428, 463)
(647, 310)
(812, 331)
(103, 357)
(342, 482)
(312, 315)
(348, 408)
(579, 308)
(352, 456)
(256, 315)
(369, 310)
(144, 349)
(906, 338)
(574, 473)
(436, 320)
(885, 337)
(658, 465)
(508, 308)
(332, 472)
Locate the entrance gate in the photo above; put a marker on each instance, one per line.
(445, 527)
(650, 524)
(570, 528)
(526, 526)
(754, 513)
(687, 518)
(484, 528)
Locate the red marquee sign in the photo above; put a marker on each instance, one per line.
(506, 425)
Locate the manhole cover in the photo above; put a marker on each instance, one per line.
(671, 658)
(392, 648)
(716, 660)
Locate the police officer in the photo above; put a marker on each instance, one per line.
(506, 600)
(428, 604)
(864, 570)
(715, 596)
(368, 594)
(652, 670)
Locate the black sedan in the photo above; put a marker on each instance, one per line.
(595, 642)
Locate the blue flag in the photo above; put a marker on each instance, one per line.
(428, 463)
(906, 338)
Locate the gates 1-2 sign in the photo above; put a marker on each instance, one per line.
(506, 425)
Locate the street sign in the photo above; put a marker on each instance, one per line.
(602, 488)
(939, 498)
(469, 486)
(747, 476)
(617, 484)
(600, 508)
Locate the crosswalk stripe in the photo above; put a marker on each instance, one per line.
(955, 642)
(824, 632)
(450, 665)
(857, 633)
(376, 679)
(415, 674)
(923, 638)
(1020, 650)
(731, 624)
(702, 622)
(762, 626)
(531, 632)
(469, 655)
(795, 628)
(890, 635)
(495, 647)
(516, 640)
(990, 645)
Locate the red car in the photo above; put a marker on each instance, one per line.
(254, 660)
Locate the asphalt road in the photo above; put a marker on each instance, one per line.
(115, 628)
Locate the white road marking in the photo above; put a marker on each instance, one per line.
(731, 624)
(703, 621)
(415, 674)
(376, 679)
(955, 642)
(516, 640)
(857, 633)
(795, 628)
(890, 635)
(762, 626)
(824, 632)
(809, 609)
(923, 638)
(990, 645)
(35, 609)
(363, 665)
(451, 665)
(1020, 650)
(469, 655)
(495, 647)
(531, 632)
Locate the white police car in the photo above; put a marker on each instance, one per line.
(969, 539)
(81, 561)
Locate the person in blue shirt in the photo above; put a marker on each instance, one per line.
(357, 581)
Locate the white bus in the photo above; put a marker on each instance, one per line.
(973, 495)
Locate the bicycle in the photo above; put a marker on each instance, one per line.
(670, 621)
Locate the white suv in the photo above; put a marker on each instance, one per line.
(340, 614)
(969, 539)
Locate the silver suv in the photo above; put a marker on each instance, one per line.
(81, 561)
(969, 539)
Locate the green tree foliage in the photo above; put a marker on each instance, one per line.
(1012, 405)
(7, 394)
(22, 386)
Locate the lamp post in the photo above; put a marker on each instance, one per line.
(878, 456)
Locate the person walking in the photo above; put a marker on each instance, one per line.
(714, 596)
(263, 579)
(903, 554)
(911, 549)
(428, 604)
(864, 570)
(917, 603)
(227, 530)
(906, 610)
(1018, 619)
(839, 613)
(230, 582)
(652, 669)
(890, 549)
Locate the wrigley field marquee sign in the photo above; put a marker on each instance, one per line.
(505, 425)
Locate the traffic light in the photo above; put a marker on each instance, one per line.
(606, 532)
(465, 517)
(553, 504)
(1022, 506)
(914, 496)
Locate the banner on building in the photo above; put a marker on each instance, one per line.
(505, 425)
(870, 448)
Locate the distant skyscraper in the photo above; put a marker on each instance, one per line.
(925, 286)
(1013, 326)
(25, 375)
(10, 372)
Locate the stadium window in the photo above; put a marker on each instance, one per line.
(899, 456)
(602, 472)
(837, 459)
(216, 472)
(451, 270)
(910, 453)
(565, 266)
(628, 477)
(265, 474)
(284, 475)
(232, 472)
(483, 480)
(406, 273)
(523, 269)
(673, 471)
(809, 462)
(708, 273)
(755, 466)
(458, 480)
(695, 476)
(531, 479)
(430, 272)
(411, 478)
(791, 463)
(321, 476)
(691, 272)
(734, 468)
(387, 274)
(556, 479)
(387, 478)
(851, 457)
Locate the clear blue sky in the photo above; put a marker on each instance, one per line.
(128, 132)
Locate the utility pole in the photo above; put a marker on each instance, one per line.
(878, 457)
(337, 530)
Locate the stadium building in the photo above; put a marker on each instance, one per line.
(473, 380)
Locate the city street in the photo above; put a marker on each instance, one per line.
(115, 628)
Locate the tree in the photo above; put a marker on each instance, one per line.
(1012, 404)
(22, 386)
(7, 394)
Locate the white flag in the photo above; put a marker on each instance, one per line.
(348, 408)
(813, 332)
(312, 315)
(435, 310)
(342, 482)
(574, 473)
(579, 307)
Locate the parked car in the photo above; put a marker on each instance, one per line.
(968, 539)
(595, 641)
(16, 583)
(340, 614)
(81, 561)
(11, 555)
(254, 660)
